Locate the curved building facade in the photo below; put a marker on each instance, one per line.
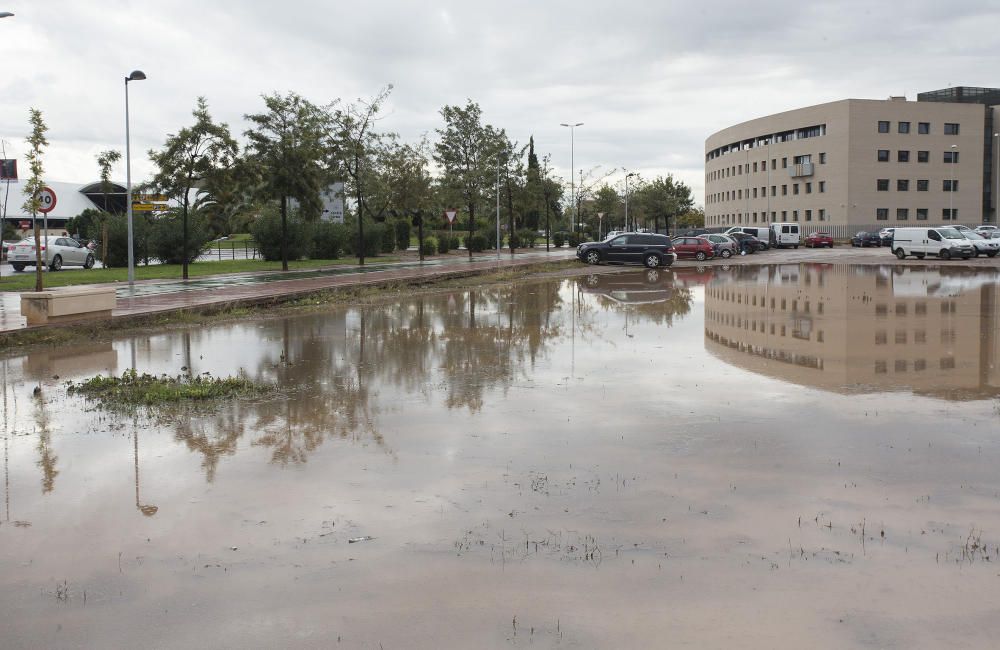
(854, 164)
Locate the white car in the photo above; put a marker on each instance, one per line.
(57, 252)
(985, 230)
(984, 245)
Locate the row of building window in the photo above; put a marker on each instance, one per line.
(901, 365)
(923, 128)
(761, 217)
(739, 170)
(903, 185)
(753, 192)
(920, 336)
(903, 214)
(883, 155)
(768, 139)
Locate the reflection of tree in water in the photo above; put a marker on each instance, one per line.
(46, 459)
(212, 436)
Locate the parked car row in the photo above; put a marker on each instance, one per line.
(57, 252)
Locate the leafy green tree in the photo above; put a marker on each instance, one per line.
(189, 158)
(33, 188)
(532, 189)
(172, 244)
(105, 160)
(692, 218)
(608, 202)
(285, 157)
(664, 197)
(466, 153)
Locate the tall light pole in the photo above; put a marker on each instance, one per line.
(498, 207)
(136, 75)
(951, 193)
(627, 176)
(996, 197)
(572, 166)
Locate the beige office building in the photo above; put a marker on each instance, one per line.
(859, 164)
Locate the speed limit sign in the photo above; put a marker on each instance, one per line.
(47, 199)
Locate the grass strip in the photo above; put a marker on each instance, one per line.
(134, 390)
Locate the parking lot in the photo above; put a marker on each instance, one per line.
(843, 254)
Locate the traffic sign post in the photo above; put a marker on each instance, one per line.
(47, 198)
(450, 215)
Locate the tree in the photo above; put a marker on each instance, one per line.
(355, 146)
(607, 201)
(33, 188)
(552, 190)
(464, 152)
(664, 197)
(187, 160)
(692, 218)
(531, 212)
(105, 160)
(285, 154)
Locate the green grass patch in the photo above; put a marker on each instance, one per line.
(133, 389)
(25, 281)
(237, 241)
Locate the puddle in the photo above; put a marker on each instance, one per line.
(798, 455)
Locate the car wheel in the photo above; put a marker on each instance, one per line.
(89, 262)
(18, 267)
(700, 256)
(991, 254)
(56, 263)
(593, 257)
(900, 253)
(652, 275)
(592, 280)
(652, 261)
(919, 256)
(795, 246)
(944, 254)
(726, 253)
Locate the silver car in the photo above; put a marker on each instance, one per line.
(57, 252)
(984, 245)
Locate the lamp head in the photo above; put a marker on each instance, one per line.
(5, 14)
(137, 75)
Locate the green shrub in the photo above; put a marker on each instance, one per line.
(574, 239)
(118, 241)
(166, 238)
(454, 242)
(476, 243)
(526, 237)
(442, 244)
(402, 228)
(374, 234)
(558, 238)
(266, 231)
(430, 246)
(491, 238)
(329, 240)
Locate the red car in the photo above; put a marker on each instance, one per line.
(819, 240)
(698, 248)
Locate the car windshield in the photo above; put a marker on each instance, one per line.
(950, 233)
(972, 234)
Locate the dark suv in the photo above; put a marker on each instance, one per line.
(632, 247)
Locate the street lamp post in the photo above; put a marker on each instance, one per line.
(572, 166)
(951, 185)
(136, 75)
(996, 197)
(627, 176)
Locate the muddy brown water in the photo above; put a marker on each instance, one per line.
(754, 457)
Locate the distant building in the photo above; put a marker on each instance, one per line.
(855, 164)
(71, 200)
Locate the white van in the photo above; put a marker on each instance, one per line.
(785, 234)
(943, 241)
(762, 233)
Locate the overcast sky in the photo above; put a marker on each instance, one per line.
(650, 80)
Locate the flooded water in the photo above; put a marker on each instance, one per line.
(754, 457)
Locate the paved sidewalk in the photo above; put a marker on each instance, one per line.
(155, 296)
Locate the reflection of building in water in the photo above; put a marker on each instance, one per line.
(834, 327)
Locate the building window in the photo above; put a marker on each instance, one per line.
(921, 214)
(774, 190)
(822, 186)
(949, 185)
(949, 214)
(822, 158)
(755, 166)
(795, 188)
(951, 156)
(904, 127)
(784, 163)
(923, 156)
(784, 190)
(883, 155)
(882, 185)
(809, 215)
(784, 215)
(809, 188)
(902, 214)
(795, 215)
(922, 185)
(822, 217)
(774, 163)
(755, 192)
(902, 156)
(923, 128)
(882, 214)
(950, 128)
(883, 126)
(902, 185)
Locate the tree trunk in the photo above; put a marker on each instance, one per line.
(548, 233)
(38, 255)
(510, 217)
(472, 224)
(104, 240)
(184, 240)
(284, 233)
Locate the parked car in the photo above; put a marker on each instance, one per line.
(982, 245)
(698, 248)
(987, 230)
(57, 252)
(763, 233)
(864, 239)
(724, 245)
(885, 236)
(942, 241)
(819, 240)
(748, 243)
(649, 249)
(631, 288)
(785, 234)
(695, 232)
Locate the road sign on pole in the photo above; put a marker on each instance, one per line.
(47, 197)
(451, 214)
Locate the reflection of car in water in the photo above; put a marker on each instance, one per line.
(640, 288)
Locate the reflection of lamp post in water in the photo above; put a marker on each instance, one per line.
(147, 510)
